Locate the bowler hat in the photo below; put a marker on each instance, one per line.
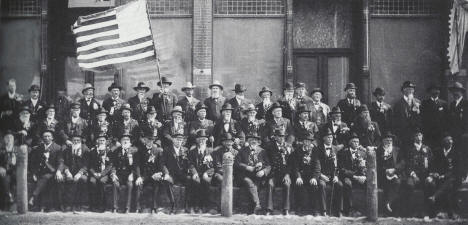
(216, 84)
(151, 109)
(288, 86)
(102, 111)
(25, 108)
(227, 136)
(250, 107)
(353, 136)
(164, 80)
(378, 91)
(408, 84)
(327, 132)
(316, 90)
(87, 87)
(75, 105)
(189, 85)
(126, 107)
(279, 132)
(202, 133)
(114, 86)
(350, 86)
(226, 106)
(335, 110)
(199, 106)
(126, 133)
(34, 87)
(276, 105)
(177, 109)
(264, 89)
(300, 85)
(388, 134)
(362, 108)
(432, 87)
(239, 88)
(141, 86)
(457, 86)
(302, 108)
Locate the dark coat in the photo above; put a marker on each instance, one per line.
(305, 129)
(7, 104)
(163, 103)
(69, 128)
(137, 110)
(200, 163)
(110, 103)
(169, 129)
(247, 157)
(88, 112)
(289, 108)
(254, 127)
(382, 115)
(264, 113)
(76, 163)
(306, 164)
(348, 167)
(396, 161)
(328, 163)
(132, 127)
(349, 111)
(367, 137)
(340, 136)
(39, 165)
(28, 139)
(281, 159)
(62, 107)
(237, 113)
(150, 161)
(234, 129)
(96, 159)
(447, 166)
(458, 118)
(217, 156)
(405, 119)
(124, 163)
(176, 166)
(196, 125)
(37, 112)
(434, 117)
(418, 161)
(188, 108)
(214, 106)
(283, 124)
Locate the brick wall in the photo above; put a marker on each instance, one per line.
(202, 45)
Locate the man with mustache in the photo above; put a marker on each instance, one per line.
(406, 114)
(88, 104)
(99, 168)
(188, 102)
(350, 104)
(7, 170)
(215, 101)
(75, 125)
(139, 102)
(114, 102)
(36, 105)
(367, 130)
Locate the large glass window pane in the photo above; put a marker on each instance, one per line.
(338, 76)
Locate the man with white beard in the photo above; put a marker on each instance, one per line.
(124, 165)
(99, 168)
(139, 102)
(7, 170)
(9, 103)
(76, 172)
(22, 126)
(48, 123)
(264, 107)
(215, 101)
(406, 114)
(288, 102)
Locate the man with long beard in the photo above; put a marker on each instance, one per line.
(215, 101)
(367, 130)
(76, 172)
(139, 102)
(264, 107)
(23, 127)
(7, 170)
(99, 167)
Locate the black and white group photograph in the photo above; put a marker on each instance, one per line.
(339, 112)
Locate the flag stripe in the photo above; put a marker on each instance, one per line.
(109, 42)
(116, 60)
(89, 37)
(94, 16)
(81, 55)
(98, 39)
(99, 20)
(117, 55)
(115, 45)
(123, 65)
(95, 26)
(96, 31)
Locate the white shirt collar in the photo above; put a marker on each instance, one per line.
(11, 96)
(447, 151)
(177, 151)
(34, 102)
(458, 101)
(418, 146)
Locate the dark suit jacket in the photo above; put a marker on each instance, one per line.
(434, 117)
(68, 128)
(121, 162)
(76, 163)
(169, 129)
(28, 139)
(234, 129)
(328, 163)
(108, 103)
(349, 111)
(458, 118)
(301, 131)
(348, 167)
(247, 157)
(7, 104)
(237, 113)
(306, 164)
(254, 127)
(282, 123)
(288, 110)
(449, 165)
(146, 168)
(176, 166)
(38, 165)
(37, 112)
(405, 120)
(138, 113)
(217, 155)
(397, 163)
(197, 163)
(214, 106)
(95, 160)
(367, 137)
(381, 115)
(132, 127)
(281, 159)
(188, 108)
(163, 103)
(415, 160)
(339, 136)
(264, 113)
(88, 112)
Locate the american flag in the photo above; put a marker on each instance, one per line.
(115, 38)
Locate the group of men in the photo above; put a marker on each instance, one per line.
(297, 142)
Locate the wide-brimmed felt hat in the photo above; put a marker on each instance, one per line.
(86, 87)
(433, 87)
(253, 135)
(227, 136)
(300, 85)
(335, 110)
(114, 86)
(457, 86)
(326, 132)
(126, 106)
(201, 133)
(164, 80)
(102, 111)
(408, 84)
(279, 132)
(316, 90)
(217, 84)
(25, 108)
(226, 106)
(302, 108)
(34, 87)
(362, 108)
(264, 89)
(239, 88)
(151, 109)
(250, 107)
(76, 134)
(177, 109)
(288, 86)
(75, 105)
(378, 91)
(199, 106)
(388, 134)
(276, 105)
(50, 106)
(189, 85)
(126, 133)
(352, 136)
(350, 86)
(141, 86)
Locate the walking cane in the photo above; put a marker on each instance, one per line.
(331, 199)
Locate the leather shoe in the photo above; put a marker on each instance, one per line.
(286, 212)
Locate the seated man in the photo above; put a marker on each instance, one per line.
(226, 124)
(151, 126)
(304, 127)
(417, 174)
(352, 170)
(329, 175)
(46, 166)
(124, 165)
(281, 160)
(200, 122)
(76, 171)
(7, 170)
(307, 172)
(227, 141)
(175, 166)
(390, 163)
(175, 126)
(149, 171)
(99, 169)
(200, 173)
(127, 125)
(253, 166)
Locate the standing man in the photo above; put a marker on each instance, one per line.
(88, 104)
(304, 127)
(215, 101)
(458, 111)
(165, 100)
(62, 102)
(434, 116)
(406, 114)
(74, 125)
(188, 102)
(253, 166)
(200, 123)
(288, 102)
(114, 103)
(239, 101)
(301, 94)
(226, 124)
(9, 103)
(339, 128)
(36, 105)
(318, 111)
(380, 111)
(139, 102)
(174, 126)
(349, 105)
(264, 107)
(367, 130)
(278, 122)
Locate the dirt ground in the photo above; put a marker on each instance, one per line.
(82, 218)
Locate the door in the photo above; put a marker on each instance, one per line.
(327, 69)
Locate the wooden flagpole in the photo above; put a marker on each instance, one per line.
(155, 52)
